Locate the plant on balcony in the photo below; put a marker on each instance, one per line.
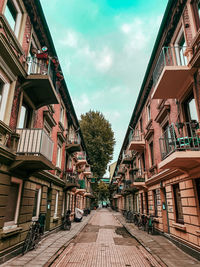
(139, 179)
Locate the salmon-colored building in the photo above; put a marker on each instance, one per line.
(44, 166)
(158, 169)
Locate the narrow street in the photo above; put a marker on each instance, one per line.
(104, 242)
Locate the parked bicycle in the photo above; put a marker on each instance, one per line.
(66, 221)
(142, 223)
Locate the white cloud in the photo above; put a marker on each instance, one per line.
(70, 39)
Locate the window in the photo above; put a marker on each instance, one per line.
(147, 202)
(189, 107)
(61, 114)
(25, 116)
(155, 203)
(198, 189)
(12, 208)
(143, 161)
(148, 112)
(180, 47)
(4, 90)
(142, 207)
(59, 156)
(151, 153)
(36, 207)
(13, 15)
(56, 205)
(178, 204)
(141, 126)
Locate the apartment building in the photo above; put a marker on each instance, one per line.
(158, 170)
(44, 166)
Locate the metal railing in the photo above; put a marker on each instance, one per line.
(81, 155)
(180, 137)
(74, 139)
(82, 184)
(169, 56)
(42, 67)
(87, 169)
(71, 178)
(35, 142)
(127, 154)
(137, 135)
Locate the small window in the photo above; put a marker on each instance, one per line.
(198, 190)
(180, 47)
(155, 203)
(189, 107)
(178, 204)
(147, 202)
(62, 114)
(142, 206)
(56, 206)
(4, 91)
(59, 155)
(36, 206)
(12, 208)
(148, 112)
(141, 125)
(1, 91)
(151, 153)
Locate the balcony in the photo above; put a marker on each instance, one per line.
(121, 170)
(87, 171)
(71, 181)
(34, 151)
(81, 158)
(73, 143)
(180, 146)
(127, 157)
(40, 84)
(171, 73)
(139, 178)
(136, 141)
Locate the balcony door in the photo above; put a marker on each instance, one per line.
(180, 47)
(25, 117)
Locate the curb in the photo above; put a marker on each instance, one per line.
(157, 258)
(61, 249)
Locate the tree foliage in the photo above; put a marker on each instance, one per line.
(103, 191)
(99, 140)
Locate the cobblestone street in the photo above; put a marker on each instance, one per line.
(104, 242)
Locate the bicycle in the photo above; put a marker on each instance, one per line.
(33, 237)
(150, 225)
(66, 221)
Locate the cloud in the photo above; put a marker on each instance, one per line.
(70, 39)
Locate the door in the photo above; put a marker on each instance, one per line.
(164, 208)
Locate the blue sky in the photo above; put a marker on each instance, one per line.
(104, 48)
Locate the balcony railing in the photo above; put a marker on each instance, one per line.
(35, 142)
(72, 179)
(82, 184)
(137, 135)
(41, 67)
(136, 141)
(169, 56)
(81, 156)
(127, 157)
(74, 139)
(180, 137)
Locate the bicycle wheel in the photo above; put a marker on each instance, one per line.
(27, 242)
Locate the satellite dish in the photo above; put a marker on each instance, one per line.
(44, 49)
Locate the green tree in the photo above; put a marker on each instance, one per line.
(99, 140)
(103, 191)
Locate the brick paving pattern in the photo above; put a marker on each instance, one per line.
(105, 252)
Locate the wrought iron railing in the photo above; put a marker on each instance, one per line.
(74, 139)
(72, 178)
(35, 142)
(180, 137)
(136, 135)
(42, 67)
(127, 154)
(82, 184)
(81, 155)
(169, 56)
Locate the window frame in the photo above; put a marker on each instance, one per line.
(35, 218)
(178, 217)
(56, 205)
(13, 224)
(151, 154)
(59, 155)
(148, 108)
(4, 98)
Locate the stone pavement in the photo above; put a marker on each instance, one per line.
(105, 243)
(49, 246)
(160, 247)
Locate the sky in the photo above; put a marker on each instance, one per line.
(104, 47)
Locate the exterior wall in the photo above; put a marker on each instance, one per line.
(161, 181)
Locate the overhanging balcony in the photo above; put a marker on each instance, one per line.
(81, 158)
(121, 170)
(71, 181)
(136, 141)
(87, 171)
(73, 143)
(40, 84)
(180, 147)
(139, 178)
(171, 74)
(34, 151)
(127, 157)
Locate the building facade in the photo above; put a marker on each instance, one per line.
(44, 166)
(158, 167)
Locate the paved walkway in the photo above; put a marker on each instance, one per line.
(105, 243)
(162, 249)
(49, 246)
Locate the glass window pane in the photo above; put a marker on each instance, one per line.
(12, 202)
(11, 14)
(193, 111)
(35, 202)
(22, 117)
(1, 92)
